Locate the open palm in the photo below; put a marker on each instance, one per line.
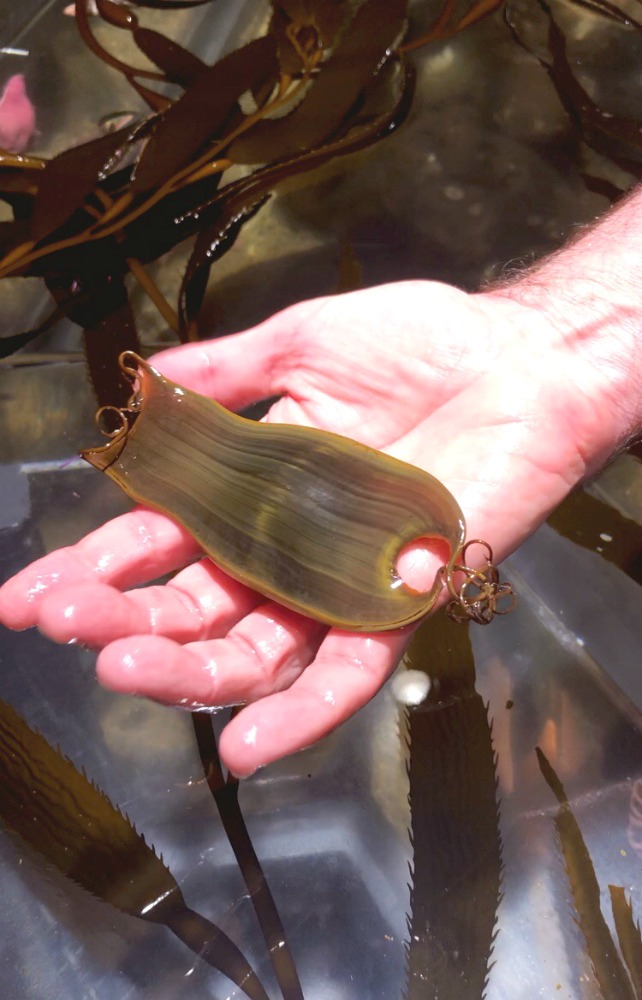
(474, 389)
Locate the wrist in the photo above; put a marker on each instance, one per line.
(584, 305)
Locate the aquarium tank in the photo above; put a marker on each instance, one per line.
(179, 170)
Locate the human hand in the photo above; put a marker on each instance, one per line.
(481, 391)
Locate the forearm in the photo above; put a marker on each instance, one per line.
(589, 295)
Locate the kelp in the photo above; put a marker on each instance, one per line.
(617, 137)
(601, 528)
(247, 197)
(225, 791)
(456, 868)
(628, 935)
(54, 808)
(327, 78)
(282, 104)
(610, 970)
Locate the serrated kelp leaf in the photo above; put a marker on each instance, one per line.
(212, 243)
(628, 935)
(78, 831)
(362, 49)
(13, 234)
(22, 180)
(213, 946)
(9, 345)
(607, 964)
(238, 202)
(595, 525)
(326, 15)
(226, 797)
(103, 341)
(177, 63)
(100, 305)
(456, 869)
(69, 177)
(201, 113)
(47, 802)
(301, 17)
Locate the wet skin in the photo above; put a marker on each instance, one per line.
(482, 392)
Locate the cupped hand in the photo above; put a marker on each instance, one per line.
(478, 390)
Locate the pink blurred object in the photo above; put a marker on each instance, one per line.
(17, 116)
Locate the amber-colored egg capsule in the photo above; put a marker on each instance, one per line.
(309, 518)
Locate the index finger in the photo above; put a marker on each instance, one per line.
(132, 549)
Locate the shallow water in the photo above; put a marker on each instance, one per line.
(494, 180)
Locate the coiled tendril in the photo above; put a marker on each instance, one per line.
(480, 595)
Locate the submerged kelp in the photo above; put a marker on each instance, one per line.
(456, 867)
(545, 30)
(599, 527)
(225, 791)
(326, 79)
(54, 808)
(618, 979)
(323, 82)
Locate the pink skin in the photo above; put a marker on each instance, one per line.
(481, 391)
(17, 116)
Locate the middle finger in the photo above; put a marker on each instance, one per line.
(265, 652)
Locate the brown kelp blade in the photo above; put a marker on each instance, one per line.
(202, 111)
(628, 935)
(240, 201)
(363, 48)
(595, 525)
(456, 869)
(296, 21)
(226, 796)
(177, 63)
(100, 305)
(311, 519)
(613, 135)
(71, 176)
(607, 964)
(65, 818)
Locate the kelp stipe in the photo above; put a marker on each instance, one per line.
(456, 871)
(609, 968)
(225, 792)
(47, 803)
(309, 518)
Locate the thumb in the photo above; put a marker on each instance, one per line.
(241, 368)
